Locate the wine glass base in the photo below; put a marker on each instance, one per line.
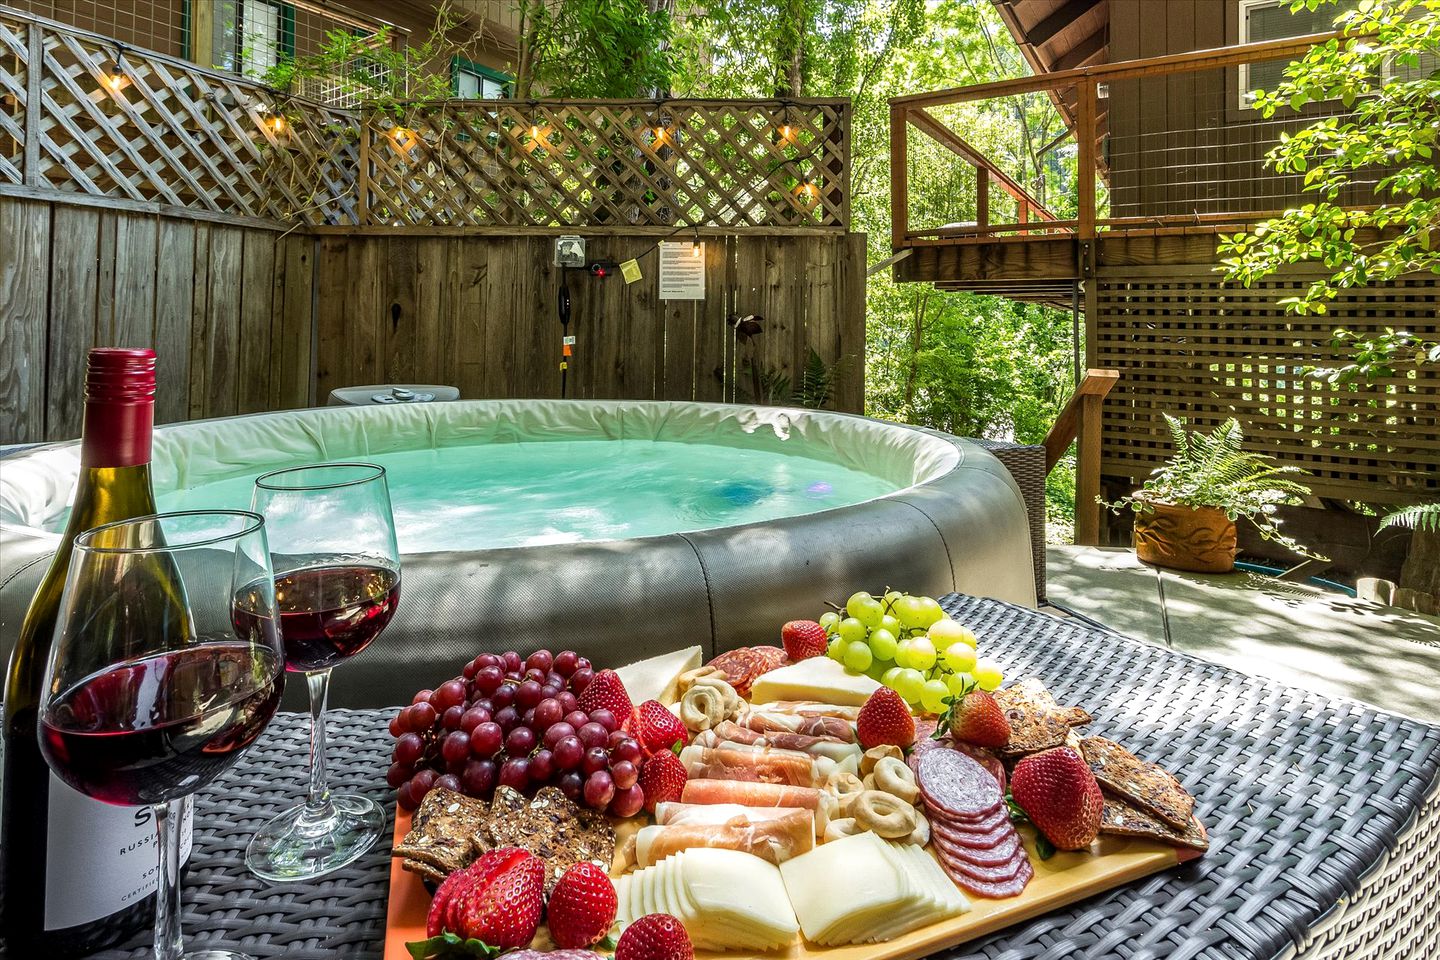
(298, 845)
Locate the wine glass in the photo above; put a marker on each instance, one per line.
(167, 663)
(332, 541)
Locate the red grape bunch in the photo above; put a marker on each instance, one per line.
(517, 722)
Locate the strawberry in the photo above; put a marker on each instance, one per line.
(662, 778)
(504, 910)
(885, 719)
(582, 907)
(978, 719)
(803, 639)
(655, 936)
(657, 728)
(450, 888)
(606, 690)
(1059, 794)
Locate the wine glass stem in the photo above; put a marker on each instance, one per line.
(317, 804)
(168, 945)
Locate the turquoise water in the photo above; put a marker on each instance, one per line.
(522, 494)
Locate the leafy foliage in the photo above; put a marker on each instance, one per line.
(1425, 517)
(1213, 470)
(595, 48)
(1392, 128)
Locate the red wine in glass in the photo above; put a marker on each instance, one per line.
(154, 729)
(330, 613)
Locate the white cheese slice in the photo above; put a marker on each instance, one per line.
(657, 677)
(817, 678)
(622, 898)
(873, 887)
(739, 900)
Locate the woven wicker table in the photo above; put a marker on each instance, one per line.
(1322, 816)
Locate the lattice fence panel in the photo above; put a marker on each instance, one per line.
(611, 163)
(14, 78)
(1186, 345)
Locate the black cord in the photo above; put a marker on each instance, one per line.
(564, 306)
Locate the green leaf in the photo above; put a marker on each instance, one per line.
(1043, 847)
(450, 945)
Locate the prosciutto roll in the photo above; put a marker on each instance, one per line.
(739, 762)
(772, 838)
(826, 746)
(813, 708)
(764, 721)
(751, 794)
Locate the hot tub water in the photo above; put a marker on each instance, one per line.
(567, 491)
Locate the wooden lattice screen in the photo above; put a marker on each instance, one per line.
(1185, 344)
(91, 117)
(84, 116)
(611, 163)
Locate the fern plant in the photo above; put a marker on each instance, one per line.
(1212, 470)
(1425, 516)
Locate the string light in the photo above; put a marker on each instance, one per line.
(695, 244)
(786, 130)
(114, 78)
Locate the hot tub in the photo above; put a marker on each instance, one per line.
(617, 528)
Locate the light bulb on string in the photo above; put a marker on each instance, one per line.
(114, 77)
(695, 245)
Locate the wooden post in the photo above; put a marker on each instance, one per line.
(847, 184)
(982, 196)
(1087, 472)
(33, 114)
(362, 176)
(1085, 169)
(899, 180)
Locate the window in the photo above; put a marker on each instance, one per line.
(1272, 20)
(470, 81)
(251, 36)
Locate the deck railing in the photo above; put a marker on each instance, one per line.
(1163, 142)
(85, 118)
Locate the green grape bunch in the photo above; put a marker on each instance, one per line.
(907, 643)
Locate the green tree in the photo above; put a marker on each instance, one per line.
(1384, 70)
(595, 48)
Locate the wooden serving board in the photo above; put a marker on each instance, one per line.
(1063, 879)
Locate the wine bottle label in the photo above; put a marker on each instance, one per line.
(102, 859)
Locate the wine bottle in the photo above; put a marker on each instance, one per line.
(78, 874)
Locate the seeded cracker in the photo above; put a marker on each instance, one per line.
(1144, 784)
(1037, 722)
(1124, 819)
(442, 834)
(559, 832)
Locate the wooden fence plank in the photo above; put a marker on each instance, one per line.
(174, 314)
(24, 286)
(332, 293)
(135, 267)
(222, 340)
(74, 270)
(200, 323)
(291, 323)
(257, 296)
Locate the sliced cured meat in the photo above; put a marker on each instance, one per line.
(978, 841)
(991, 873)
(740, 667)
(994, 820)
(751, 794)
(812, 708)
(761, 766)
(980, 755)
(775, 839)
(1002, 890)
(769, 658)
(1001, 853)
(833, 747)
(957, 785)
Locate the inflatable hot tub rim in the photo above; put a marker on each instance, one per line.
(957, 522)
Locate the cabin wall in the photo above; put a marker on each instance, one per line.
(1181, 144)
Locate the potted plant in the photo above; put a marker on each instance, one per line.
(1185, 512)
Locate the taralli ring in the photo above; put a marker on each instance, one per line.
(883, 814)
(895, 777)
(875, 754)
(702, 707)
(921, 834)
(844, 827)
(846, 787)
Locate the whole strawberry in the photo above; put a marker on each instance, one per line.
(505, 912)
(885, 718)
(606, 691)
(450, 888)
(803, 639)
(1059, 794)
(978, 719)
(655, 936)
(582, 907)
(662, 778)
(657, 728)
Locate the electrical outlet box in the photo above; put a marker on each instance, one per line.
(569, 251)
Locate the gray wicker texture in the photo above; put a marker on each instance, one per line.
(1026, 463)
(1323, 842)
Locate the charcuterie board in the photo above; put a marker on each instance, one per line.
(1062, 880)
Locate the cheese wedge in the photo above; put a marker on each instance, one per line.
(739, 900)
(658, 677)
(877, 892)
(816, 678)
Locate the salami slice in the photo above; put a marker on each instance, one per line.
(979, 841)
(769, 658)
(980, 755)
(957, 785)
(740, 668)
(1003, 851)
(991, 873)
(990, 890)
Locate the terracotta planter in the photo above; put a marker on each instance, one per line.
(1199, 539)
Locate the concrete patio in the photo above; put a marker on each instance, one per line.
(1295, 633)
